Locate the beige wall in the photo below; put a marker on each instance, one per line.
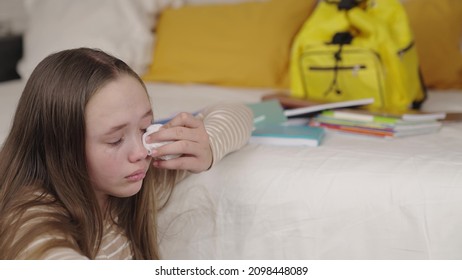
(12, 16)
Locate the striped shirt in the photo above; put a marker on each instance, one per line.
(229, 127)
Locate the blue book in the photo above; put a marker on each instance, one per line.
(267, 113)
(288, 135)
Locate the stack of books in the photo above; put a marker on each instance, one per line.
(379, 124)
(283, 120)
(271, 127)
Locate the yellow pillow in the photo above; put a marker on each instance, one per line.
(245, 44)
(437, 27)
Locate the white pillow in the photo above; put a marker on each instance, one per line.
(122, 28)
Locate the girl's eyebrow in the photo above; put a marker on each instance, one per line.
(119, 127)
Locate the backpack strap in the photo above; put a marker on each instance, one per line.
(340, 39)
(345, 4)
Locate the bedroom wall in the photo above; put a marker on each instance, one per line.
(12, 16)
(437, 27)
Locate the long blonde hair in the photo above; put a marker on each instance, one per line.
(42, 164)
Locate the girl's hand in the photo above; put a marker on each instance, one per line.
(190, 140)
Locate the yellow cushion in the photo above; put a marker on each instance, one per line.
(437, 27)
(245, 44)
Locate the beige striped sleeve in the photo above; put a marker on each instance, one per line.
(58, 244)
(229, 127)
(55, 253)
(62, 253)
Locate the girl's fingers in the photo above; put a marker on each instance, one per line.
(178, 147)
(194, 157)
(183, 119)
(182, 127)
(182, 163)
(189, 139)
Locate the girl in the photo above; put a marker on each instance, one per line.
(75, 179)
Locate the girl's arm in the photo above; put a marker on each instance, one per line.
(205, 139)
(229, 128)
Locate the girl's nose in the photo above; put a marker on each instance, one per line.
(138, 152)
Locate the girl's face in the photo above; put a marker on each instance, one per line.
(116, 118)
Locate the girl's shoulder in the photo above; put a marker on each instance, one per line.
(39, 229)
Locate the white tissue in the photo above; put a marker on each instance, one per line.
(151, 146)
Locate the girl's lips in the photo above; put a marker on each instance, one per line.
(136, 176)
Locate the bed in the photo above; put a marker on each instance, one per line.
(353, 197)
(350, 198)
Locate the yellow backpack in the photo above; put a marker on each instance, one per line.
(351, 49)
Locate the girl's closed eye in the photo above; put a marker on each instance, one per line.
(116, 142)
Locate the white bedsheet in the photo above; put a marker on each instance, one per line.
(351, 198)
